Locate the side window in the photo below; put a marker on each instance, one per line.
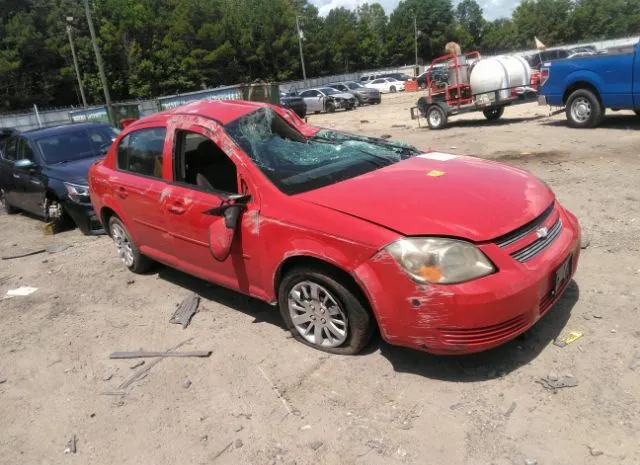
(198, 161)
(141, 152)
(11, 149)
(306, 93)
(378, 81)
(25, 151)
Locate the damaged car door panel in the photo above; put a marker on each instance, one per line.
(252, 198)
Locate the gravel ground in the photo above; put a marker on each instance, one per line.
(262, 398)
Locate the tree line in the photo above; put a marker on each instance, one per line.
(158, 47)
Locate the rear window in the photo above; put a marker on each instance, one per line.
(76, 144)
(140, 152)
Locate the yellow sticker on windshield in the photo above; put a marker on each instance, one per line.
(436, 173)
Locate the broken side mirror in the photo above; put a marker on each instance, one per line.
(222, 229)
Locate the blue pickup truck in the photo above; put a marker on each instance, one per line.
(587, 85)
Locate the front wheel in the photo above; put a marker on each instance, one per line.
(392, 89)
(127, 249)
(323, 313)
(493, 114)
(584, 109)
(331, 107)
(436, 117)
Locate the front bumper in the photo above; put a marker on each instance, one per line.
(473, 316)
(84, 216)
(369, 98)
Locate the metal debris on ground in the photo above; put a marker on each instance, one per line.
(315, 445)
(554, 384)
(137, 364)
(568, 338)
(530, 462)
(185, 311)
(595, 452)
(143, 354)
(107, 377)
(226, 448)
(25, 254)
(21, 291)
(187, 384)
(71, 446)
(130, 282)
(364, 121)
(143, 371)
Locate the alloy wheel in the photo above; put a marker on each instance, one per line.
(123, 244)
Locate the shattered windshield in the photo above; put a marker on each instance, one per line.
(295, 163)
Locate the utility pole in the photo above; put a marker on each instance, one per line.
(103, 76)
(304, 71)
(415, 32)
(75, 61)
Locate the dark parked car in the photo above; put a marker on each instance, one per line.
(294, 102)
(361, 93)
(536, 60)
(5, 133)
(44, 172)
(438, 76)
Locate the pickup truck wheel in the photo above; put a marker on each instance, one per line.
(436, 117)
(493, 114)
(5, 206)
(584, 109)
(323, 313)
(127, 249)
(637, 112)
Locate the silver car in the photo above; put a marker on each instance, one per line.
(327, 99)
(363, 94)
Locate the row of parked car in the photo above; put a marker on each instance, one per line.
(341, 95)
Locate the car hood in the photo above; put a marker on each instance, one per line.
(440, 194)
(73, 171)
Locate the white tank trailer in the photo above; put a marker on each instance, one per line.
(500, 73)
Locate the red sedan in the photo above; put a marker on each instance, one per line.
(443, 253)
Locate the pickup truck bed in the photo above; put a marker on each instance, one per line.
(586, 86)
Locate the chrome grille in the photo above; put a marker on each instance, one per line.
(539, 245)
(525, 230)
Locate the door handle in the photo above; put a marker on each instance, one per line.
(122, 192)
(177, 208)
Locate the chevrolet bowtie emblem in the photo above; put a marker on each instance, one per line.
(542, 232)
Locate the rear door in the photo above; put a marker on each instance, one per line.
(8, 179)
(138, 183)
(313, 99)
(204, 176)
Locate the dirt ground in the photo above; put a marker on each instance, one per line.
(262, 398)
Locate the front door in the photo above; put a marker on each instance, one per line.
(32, 187)
(8, 176)
(206, 177)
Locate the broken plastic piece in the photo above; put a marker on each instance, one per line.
(21, 291)
(185, 311)
(554, 385)
(567, 339)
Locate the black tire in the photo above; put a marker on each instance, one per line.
(493, 114)
(392, 89)
(637, 112)
(584, 109)
(331, 107)
(360, 321)
(140, 263)
(5, 206)
(436, 117)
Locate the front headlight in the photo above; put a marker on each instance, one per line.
(439, 260)
(77, 192)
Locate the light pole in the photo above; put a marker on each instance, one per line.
(75, 61)
(304, 71)
(415, 40)
(103, 76)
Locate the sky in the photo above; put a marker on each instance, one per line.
(493, 9)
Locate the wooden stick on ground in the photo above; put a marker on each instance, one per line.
(149, 366)
(142, 354)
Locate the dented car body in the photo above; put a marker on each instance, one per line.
(443, 253)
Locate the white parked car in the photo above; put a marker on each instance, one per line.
(386, 85)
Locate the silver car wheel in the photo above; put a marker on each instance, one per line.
(581, 110)
(316, 315)
(123, 244)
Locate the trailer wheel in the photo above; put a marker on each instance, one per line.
(584, 109)
(493, 114)
(436, 117)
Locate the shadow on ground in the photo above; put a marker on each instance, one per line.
(472, 123)
(492, 363)
(259, 310)
(611, 121)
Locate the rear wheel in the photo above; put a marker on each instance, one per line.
(493, 114)
(127, 249)
(584, 109)
(323, 313)
(5, 206)
(436, 117)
